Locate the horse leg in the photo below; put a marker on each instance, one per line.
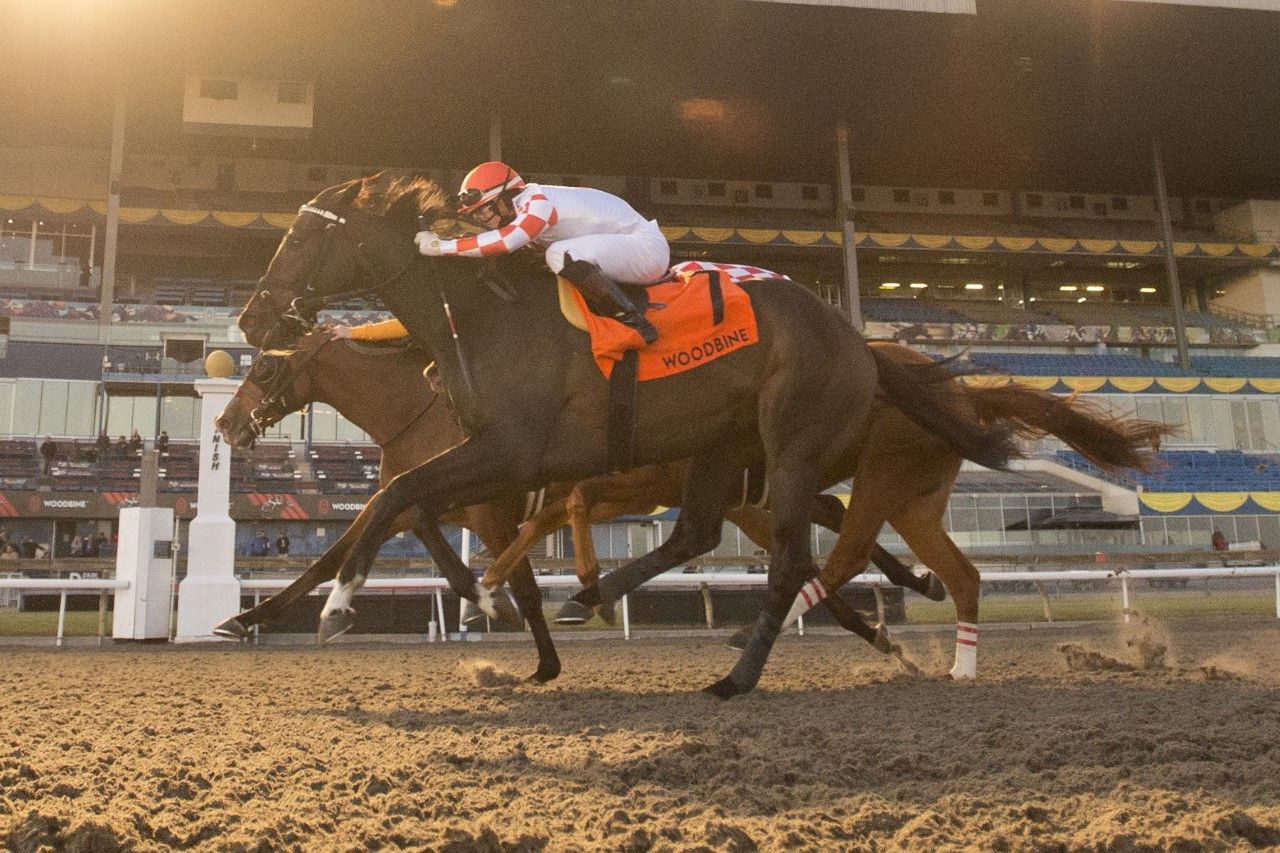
(467, 474)
(323, 569)
(547, 521)
(829, 512)
(496, 534)
(930, 542)
(697, 531)
(336, 622)
(754, 522)
(789, 565)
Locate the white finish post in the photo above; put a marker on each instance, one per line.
(800, 626)
(31, 249)
(210, 592)
(1124, 596)
(626, 619)
(143, 610)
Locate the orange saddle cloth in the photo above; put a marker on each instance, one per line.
(685, 311)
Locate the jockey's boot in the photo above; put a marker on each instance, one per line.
(598, 288)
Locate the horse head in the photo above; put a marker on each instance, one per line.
(275, 386)
(352, 238)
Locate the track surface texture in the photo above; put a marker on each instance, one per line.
(1102, 737)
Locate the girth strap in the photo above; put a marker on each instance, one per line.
(621, 435)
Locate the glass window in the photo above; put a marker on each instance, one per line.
(1269, 531)
(6, 406)
(964, 514)
(53, 407)
(324, 423)
(179, 416)
(26, 407)
(347, 431)
(289, 429)
(82, 408)
(1179, 535)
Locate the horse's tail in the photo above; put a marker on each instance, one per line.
(927, 393)
(1112, 443)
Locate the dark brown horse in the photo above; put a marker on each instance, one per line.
(904, 476)
(410, 422)
(411, 426)
(535, 406)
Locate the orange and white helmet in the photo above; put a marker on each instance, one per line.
(486, 182)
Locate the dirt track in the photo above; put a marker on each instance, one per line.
(370, 747)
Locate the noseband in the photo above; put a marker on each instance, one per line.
(278, 371)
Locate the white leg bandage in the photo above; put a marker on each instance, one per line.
(966, 665)
(810, 594)
(340, 598)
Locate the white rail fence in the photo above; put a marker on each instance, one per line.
(673, 580)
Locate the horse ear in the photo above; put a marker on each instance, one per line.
(348, 193)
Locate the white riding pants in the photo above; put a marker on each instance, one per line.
(641, 257)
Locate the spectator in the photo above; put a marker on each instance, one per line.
(102, 546)
(282, 544)
(28, 549)
(1220, 541)
(8, 552)
(4, 537)
(49, 450)
(162, 443)
(122, 447)
(76, 545)
(135, 441)
(260, 546)
(88, 547)
(103, 446)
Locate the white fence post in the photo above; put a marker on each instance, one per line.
(1124, 596)
(626, 619)
(62, 615)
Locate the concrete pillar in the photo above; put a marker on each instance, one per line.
(111, 236)
(844, 212)
(210, 592)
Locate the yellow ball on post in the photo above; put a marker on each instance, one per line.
(219, 365)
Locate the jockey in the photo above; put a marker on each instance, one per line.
(592, 238)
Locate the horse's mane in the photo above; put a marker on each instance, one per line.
(391, 192)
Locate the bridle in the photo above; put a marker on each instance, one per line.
(279, 368)
(299, 318)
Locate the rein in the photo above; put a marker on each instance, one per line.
(282, 368)
(302, 310)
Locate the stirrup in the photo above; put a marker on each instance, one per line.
(637, 321)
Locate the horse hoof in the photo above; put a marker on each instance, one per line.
(739, 639)
(882, 642)
(334, 625)
(935, 591)
(508, 612)
(470, 612)
(607, 612)
(545, 673)
(573, 613)
(725, 688)
(233, 629)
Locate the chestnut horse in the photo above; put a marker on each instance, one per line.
(535, 406)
